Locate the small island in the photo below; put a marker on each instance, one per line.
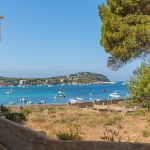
(78, 78)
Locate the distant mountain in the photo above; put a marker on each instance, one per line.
(81, 77)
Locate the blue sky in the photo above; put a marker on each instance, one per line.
(42, 38)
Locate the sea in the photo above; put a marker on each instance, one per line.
(46, 93)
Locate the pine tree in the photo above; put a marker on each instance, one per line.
(125, 30)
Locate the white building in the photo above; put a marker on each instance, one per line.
(22, 82)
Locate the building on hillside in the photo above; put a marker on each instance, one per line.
(23, 82)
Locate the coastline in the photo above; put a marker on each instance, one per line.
(84, 104)
(74, 83)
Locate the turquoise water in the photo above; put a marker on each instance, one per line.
(36, 93)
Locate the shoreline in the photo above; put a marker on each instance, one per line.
(94, 83)
(80, 104)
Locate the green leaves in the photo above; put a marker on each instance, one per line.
(139, 85)
(125, 30)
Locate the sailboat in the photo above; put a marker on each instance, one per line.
(10, 91)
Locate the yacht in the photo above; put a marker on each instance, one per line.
(79, 98)
(56, 97)
(29, 102)
(11, 103)
(75, 100)
(42, 102)
(23, 100)
(61, 94)
(114, 95)
(49, 85)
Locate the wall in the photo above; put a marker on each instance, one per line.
(90, 104)
(17, 137)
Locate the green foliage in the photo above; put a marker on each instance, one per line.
(16, 117)
(72, 134)
(4, 109)
(25, 111)
(125, 30)
(51, 110)
(81, 77)
(146, 133)
(68, 135)
(139, 85)
(61, 108)
(111, 120)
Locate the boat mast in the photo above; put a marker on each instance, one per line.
(1, 17)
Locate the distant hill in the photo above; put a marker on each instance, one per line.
(81, 77)
(88, 77)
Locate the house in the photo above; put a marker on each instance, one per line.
(23, 82)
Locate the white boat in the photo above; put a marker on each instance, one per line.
(11, 103)
(114, 95)
(42, 102)
(11, 91)
(97, 99)
(49, 85)
(61, 92)
(56, 97)
(23, 100)
(29, 102)
(79, 98)
(75, 100)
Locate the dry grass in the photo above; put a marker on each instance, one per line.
(132, 127)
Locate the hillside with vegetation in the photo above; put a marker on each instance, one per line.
(81, 77)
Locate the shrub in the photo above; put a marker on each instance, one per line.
(146, 133)
(139, 112)
(61, 108)
(111, 120)
(68, 135)
(72, 134)
(25, 111)
(51, 110)
(4, 109)
(111, 134)
(16, 117)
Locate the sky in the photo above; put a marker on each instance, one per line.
(42, 38)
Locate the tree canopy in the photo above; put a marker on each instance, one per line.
(125, 30)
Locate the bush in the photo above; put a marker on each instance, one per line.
(111, 120)
(111, 134)
(72, 134)
(146, 133)
(25, 111)
(4, 109)
(139, 112)
(61, 108)
(51, 110)
(16, 117)
(68, 135)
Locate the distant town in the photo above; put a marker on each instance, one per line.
(79, 78)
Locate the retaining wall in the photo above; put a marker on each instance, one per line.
(91, 104)
(17, 137)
